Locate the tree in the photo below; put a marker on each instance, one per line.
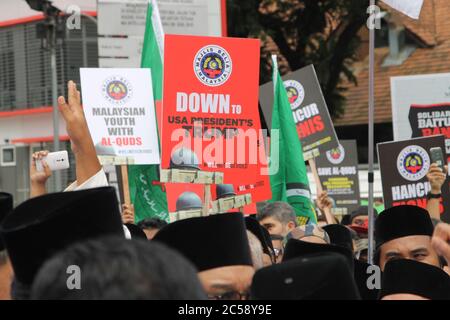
(320, 32)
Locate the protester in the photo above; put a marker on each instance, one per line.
(412, 280)
(263, 237)
(114, 268)
(41, 227)
(218, 246)
(404, 232)
(278, 218)
(322, 276)
(151, 226)
(6, 205)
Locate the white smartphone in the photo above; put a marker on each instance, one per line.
(55, 161)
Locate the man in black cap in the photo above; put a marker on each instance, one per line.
(43, 226)
(218, 246)
(6, 205)
(114, 268)
(412, 280)
(404, 232)
(320, 276)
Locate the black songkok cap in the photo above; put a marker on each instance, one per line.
(402, 221)
(323, 276)
(209, 242)
(41, 227)
(298, 248)
(417, 278)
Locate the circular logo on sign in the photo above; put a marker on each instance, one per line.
(336, 155)
(413, 163)
(213, 65)
(295, 93)
(117, 89)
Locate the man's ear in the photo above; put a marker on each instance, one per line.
(291, 225)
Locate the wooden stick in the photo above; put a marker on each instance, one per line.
(207, 196)
(125, 185)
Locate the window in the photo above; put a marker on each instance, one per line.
(7, 156)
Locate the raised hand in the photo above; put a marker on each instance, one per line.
(436, 177)
(87, 164)
(72, 113)
(38, 179)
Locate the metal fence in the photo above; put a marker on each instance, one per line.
(25, 75)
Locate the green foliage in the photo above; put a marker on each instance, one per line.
(319, 32)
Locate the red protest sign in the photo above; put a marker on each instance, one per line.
(211, 109)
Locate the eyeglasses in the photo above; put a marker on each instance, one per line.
(231, 295)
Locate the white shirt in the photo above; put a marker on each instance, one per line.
(96, 181)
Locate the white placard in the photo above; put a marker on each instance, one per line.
(118, 104)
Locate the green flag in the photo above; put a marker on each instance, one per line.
(147, 194)
(288, 175)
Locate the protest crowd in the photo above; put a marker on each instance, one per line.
(84, 243)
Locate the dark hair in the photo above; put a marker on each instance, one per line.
(115, 268)
(152, 223)
(281, 211)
